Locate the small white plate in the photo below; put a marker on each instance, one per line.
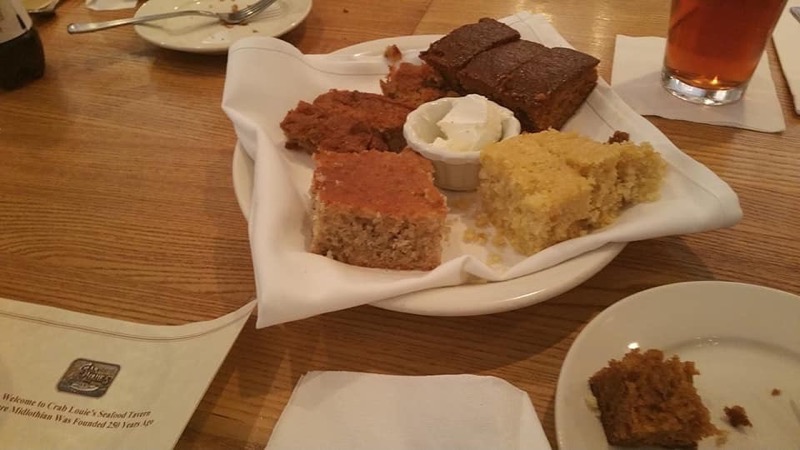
(744, 339)
(200, 34)
(469, 299)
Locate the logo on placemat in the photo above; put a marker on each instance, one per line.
(87, 377)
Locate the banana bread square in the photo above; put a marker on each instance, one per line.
(377, 209)
(538, 189)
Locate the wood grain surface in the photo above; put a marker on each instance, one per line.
(116, 199)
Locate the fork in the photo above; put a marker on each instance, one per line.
(235, 17)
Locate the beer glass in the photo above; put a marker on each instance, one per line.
(714, 46)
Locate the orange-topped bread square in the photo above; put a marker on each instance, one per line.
(377, 209)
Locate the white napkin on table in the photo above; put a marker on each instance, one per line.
(636, 77)
(787, 39)
(108, 5)
(265, 79)
(361, 411)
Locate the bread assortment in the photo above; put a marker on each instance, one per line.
(374, 201)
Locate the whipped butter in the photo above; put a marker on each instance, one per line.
(452, 131)
(473, 123)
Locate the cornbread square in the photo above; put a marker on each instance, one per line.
(532, 198)
(546, 91)
(377, 209)
(453, 51)
(597, 168)
(645, 399)
(539, 189)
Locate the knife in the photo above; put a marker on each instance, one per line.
(795, 10)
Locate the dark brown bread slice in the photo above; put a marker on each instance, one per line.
(545, 92)
(453, 51)
(485, 73)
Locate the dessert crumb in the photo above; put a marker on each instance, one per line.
(494, 259)
(345, 10)
(722, 438)
(618, 137)
(776, 392)
(499, 240)
(392, 54)
(460, 204)
(482, 220)
(737, 416)
(472, 236)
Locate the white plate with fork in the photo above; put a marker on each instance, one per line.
(198, 34)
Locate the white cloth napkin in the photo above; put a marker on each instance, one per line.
(361, 411)
(107, 5)
(787, 39)
(265, 79)
(636, 77)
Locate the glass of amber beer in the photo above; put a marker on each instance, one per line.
(714, 46)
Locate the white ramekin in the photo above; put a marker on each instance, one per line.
(454, 170)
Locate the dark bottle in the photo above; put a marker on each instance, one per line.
(21, 52)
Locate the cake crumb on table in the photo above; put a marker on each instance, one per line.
(776, 392)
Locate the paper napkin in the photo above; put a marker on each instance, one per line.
(104, 5)
(361, 411)
(787, 38)
(636, 77)
(265, 79)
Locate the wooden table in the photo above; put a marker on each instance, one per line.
(116, 199)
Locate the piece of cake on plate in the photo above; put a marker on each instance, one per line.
(647, 400)
(377, 209)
